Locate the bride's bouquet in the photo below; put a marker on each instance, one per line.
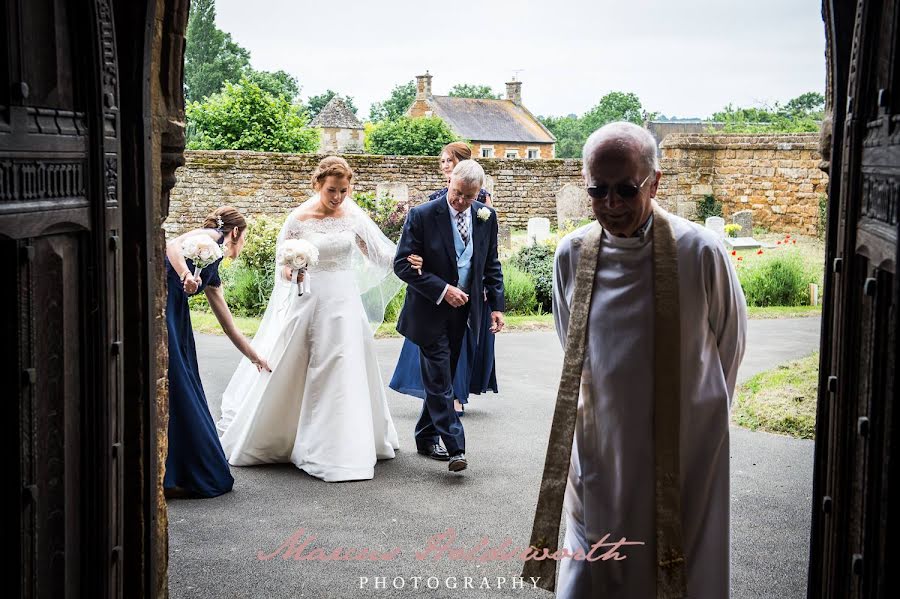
(298, 255)
(201, 250)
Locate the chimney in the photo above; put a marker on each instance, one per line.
(423, 87)
(514, 92)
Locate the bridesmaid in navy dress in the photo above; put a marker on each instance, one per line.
(476, 371)
(196, 465)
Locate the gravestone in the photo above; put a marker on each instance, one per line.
(538, 230)
(744, 218)
(572, 204)
(505, 238)
(398, 191)
(489, 185)
(742, 243)
(716, 224)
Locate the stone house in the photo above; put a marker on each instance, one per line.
(341, 131)
(495, 128)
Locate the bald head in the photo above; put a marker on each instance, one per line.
(621, 175)
(623, 136)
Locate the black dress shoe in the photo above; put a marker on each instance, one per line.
(435, 452)
(457, 463)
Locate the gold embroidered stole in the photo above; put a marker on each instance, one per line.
(671, 579)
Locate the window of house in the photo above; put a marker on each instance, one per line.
(512, 153)
(534, 153)
(487, 151)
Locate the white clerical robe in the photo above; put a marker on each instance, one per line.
(611, 477)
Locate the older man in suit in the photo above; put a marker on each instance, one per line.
(456, 237)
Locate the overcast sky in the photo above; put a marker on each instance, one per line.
(682, 58)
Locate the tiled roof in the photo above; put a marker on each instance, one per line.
(490, 120)
(336, 114)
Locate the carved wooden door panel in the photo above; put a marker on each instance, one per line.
(60, 300)
(854, 535)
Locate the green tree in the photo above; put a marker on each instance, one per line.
(244, 117)
(572, 131)
(614, 106)
(405, 136)
(316, 103)
(277, 83)
(568, 133)
(211, 57)
(401, 98)
(467, 90)
(801, 114)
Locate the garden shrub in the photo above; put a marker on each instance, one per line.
(537, 261)
(707, 207)
(518, 291)
(392, 311)
(777, 279)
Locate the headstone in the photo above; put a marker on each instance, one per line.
(489, 185)
(572, 204)
(716, 224)
(505, 239)
(742, 243)
(398, 191)
(744, 218)
(538, 230)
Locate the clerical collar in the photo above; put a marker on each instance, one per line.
(644, 229)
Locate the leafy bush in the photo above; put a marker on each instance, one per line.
(707, 207)
(261, 238)
(777, 279)
(245, 117)
(518, 290)
(405, 136)
(392, 311)
(537, 261)
(247, 290)
(387, 212)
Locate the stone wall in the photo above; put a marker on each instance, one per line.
(273, 184)
(775, 176)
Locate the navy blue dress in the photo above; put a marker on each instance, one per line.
(476, 370)
(196, 462)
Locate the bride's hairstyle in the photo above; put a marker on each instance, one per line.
(331, 166)
(458, 149)
(225, 218)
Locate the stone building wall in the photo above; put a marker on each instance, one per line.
(546, 151)
(273, 184)
(775, 176)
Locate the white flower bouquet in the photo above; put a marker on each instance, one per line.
(483, 214)
(201, 250)
(298, 255)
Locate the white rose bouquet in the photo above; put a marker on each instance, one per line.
(201, 250)
(298, 255)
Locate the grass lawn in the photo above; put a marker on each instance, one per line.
(781, 400)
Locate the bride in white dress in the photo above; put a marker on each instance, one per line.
(323, 406)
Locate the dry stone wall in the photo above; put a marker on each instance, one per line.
(777, 177)
(273, 184)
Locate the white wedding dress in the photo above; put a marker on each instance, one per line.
(323, 406)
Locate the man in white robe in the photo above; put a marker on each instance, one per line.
(611, 484)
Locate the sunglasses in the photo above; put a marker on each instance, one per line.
(626, 191)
